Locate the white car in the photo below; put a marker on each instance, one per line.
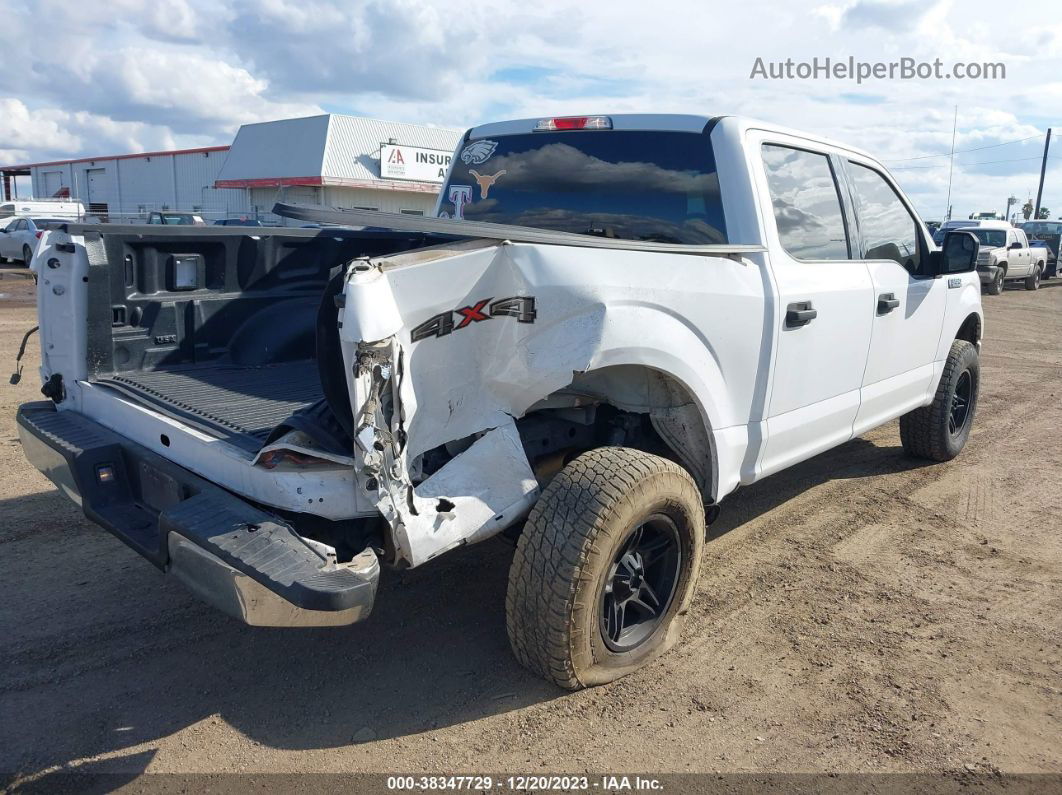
(19, 238)
(619, 321)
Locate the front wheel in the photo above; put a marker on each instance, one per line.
(1032, 282)
(605, 568)
(995, 287)
(939, 431)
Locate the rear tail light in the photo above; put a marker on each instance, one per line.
(39, 233)
(574, 123)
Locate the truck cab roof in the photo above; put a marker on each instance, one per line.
(670, 122)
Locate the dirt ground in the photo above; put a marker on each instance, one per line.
(860, 612)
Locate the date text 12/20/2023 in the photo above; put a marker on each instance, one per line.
(524, 783)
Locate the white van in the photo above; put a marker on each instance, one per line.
(52, 208)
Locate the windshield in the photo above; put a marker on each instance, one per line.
(633, 185)
(1042, 228)
(991, 238)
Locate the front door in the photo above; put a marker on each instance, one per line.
(909, 303)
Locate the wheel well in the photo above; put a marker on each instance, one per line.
(970, 330)
(629, 405)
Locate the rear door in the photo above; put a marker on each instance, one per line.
(824, 302)
(909, 302)
(1022, 254)
(15, 239)
(8, 246)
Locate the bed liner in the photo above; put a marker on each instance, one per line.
(240, 404)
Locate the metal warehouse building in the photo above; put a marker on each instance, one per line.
(343, 161)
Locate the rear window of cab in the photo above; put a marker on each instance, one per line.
(656, 186)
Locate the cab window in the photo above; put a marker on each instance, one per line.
(807, 206)
(888, 228)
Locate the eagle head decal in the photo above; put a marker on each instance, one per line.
(478, 152)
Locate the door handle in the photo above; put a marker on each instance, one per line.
(799, 314)
(887, 302)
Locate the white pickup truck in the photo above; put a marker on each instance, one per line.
(1005, 254)
(612, 324)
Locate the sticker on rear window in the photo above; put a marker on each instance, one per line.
(478, 152)
(485, 181)
(460, 195)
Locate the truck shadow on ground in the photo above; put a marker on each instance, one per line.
(858, 458)
(135, 659)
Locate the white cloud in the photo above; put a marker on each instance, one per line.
(890, 15)
(50, 133)
(135, 73)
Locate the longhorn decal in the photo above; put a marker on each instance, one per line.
(485, 181)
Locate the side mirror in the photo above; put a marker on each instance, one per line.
(958, 254)
(1015, 244)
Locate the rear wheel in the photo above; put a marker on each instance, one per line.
(605, 568)
(939, 431)
(995, 287)
(27, 255)
(1032, 282)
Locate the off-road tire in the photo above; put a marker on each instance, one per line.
(924, 432)
(1032, 281)
(566, 552)
(27, 255)
(995, 287)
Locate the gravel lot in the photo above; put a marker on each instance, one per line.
(859, 612)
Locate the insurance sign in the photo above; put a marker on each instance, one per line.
(413, 163)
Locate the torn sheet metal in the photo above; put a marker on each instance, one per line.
(475, 495)
(479, 336)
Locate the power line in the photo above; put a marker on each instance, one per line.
(964, 151)
(978, 163)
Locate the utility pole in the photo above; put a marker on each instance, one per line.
(1043, 171)
(951, 159)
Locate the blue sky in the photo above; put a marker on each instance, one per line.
(125, 75)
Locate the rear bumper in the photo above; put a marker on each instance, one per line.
(244, 561)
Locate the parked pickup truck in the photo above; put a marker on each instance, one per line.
(1006, 255)
(611, 324)
(1045, 235)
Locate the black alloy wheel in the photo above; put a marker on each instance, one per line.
(640, 584)
(960, 404)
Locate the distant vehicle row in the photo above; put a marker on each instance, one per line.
(1009, 252)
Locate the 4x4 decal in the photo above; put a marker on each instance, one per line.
(522, 307)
